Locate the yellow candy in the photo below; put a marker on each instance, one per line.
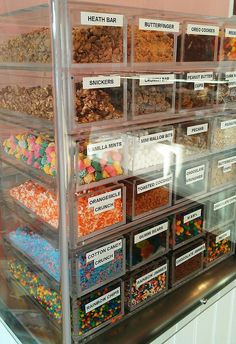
(88, 178)
(46, 169)
(87, 162)
(105, 174)
(53, 162)
(53, 154)
(119, 170)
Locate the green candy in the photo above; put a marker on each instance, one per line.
(98, 176)
(96, 165)
(82, 173)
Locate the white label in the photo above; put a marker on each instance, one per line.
(228, 124)
(195, 174)
(101, 300)
(230, 76)
(192, 216)
(229, 32)
(104, 202)
(224, 203)
(206, 30)
(157, 79)
(158, 25)
(227, 168)
(101, 147)
(190, 254)
(197, 129)
(103, 254)
(158, 137)
(156, 183)
(200, 77)
(232, 84)
(223, 236)
(101, 82)
(150, 232)
(198, 86)
(227, 164)
(101, 19)
(151, 275)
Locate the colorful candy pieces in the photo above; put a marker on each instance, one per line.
(89, 221)
(36, 151)
(99, 166)
(48, 298)
(40, 201)
(217, 250)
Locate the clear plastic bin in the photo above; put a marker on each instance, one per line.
(146, 283)
(99, 98)
(151, 95)
(148, 194)
(100, 209)
(199, 42)
(152, 40)
(187, 225)
(223, 170)
(226, 93)
(99, 308)
(220, 244)
(100, 264)
(196, 91)
(26, 93)
(149, 150)
(221, 208)
(186, 262)
(191, 179)
(193, 139)
(223, 133)
(32, 283)
(100, 158)
(98, 37)
(147, 242)
(228, 43)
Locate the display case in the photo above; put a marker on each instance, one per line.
(146, 283)
(117, 155)
(187, 262)
(149, 150)
(147, 242)
(220, 243)
(149, 193)
(187, 225)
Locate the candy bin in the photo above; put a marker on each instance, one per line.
(220, 243)
(224, 133)
(187, 225)
(226, 93)
(149, 150)
(199, 42)
(99, 98)
(152, 40)
(37, 249)
(221, 208)
(26, 93)
(37, 200)
(35, 150)
(100, 264)
(151, 95)
(228, 43)
(196, 91)
(100, 158)
(98, 38)
(100, 209)
(147, 242)
(148, 194)
(99, 308)
(34, 284)
(186, 262)
(193, 139)
(146, 284)
(191, 179)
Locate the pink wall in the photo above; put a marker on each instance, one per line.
(206, 7)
